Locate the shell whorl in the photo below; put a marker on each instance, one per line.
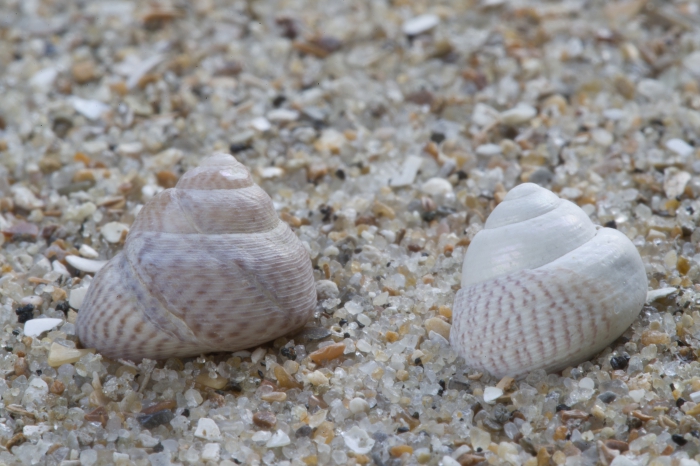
(207, 266)
(530, 228)
(543, 287)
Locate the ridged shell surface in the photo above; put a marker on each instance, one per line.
(543, 287)
(207, 266)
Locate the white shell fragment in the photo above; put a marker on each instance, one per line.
(420, 24)
(488, 150)
(35, 327)
(42, 80)
(680, 147)
(85, 265)
(491, 394)
(88, 252)
(77, 296)
(543, 287)
(261, 124)
(408, 173)
(207, 266)
(91, 109)
(521, 113)
(653, 295)
(357, 440)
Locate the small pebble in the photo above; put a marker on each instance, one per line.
(211, 452)
(207, 429)
(358, 405)
(274, 397)
(59, 354)
(317, 378)
(326, 289)
(607, 397)
(328, 352)
(151, 421)
(278, 439)
(437, 186)
(217, 383)
(264, 419)
(439, 326)
(650, 337)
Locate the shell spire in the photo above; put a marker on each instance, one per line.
(207, 266)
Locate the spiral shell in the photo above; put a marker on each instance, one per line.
(543, 287)
(207, 266)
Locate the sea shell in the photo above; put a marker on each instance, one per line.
(207, 266)
(543, 287)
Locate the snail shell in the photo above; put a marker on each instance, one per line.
(543, 287)
(207, 266)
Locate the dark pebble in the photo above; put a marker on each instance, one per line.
(289, 353)
(158, 448)
(402, 430)
(231, 386)
(238, 147)
(501, 414)
(303, 431)
(619, 363)
(437, 138)
(151, 421)
(563, 407)
(279, 100)
(63, 307)
(634, 423)
(680, 402)
(678, 439)
(25, 313)
(607, 397)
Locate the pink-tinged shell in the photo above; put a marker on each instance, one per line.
(526, 313)
(207, 266)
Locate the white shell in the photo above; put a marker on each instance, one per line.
(543, 287)
(207, 266)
